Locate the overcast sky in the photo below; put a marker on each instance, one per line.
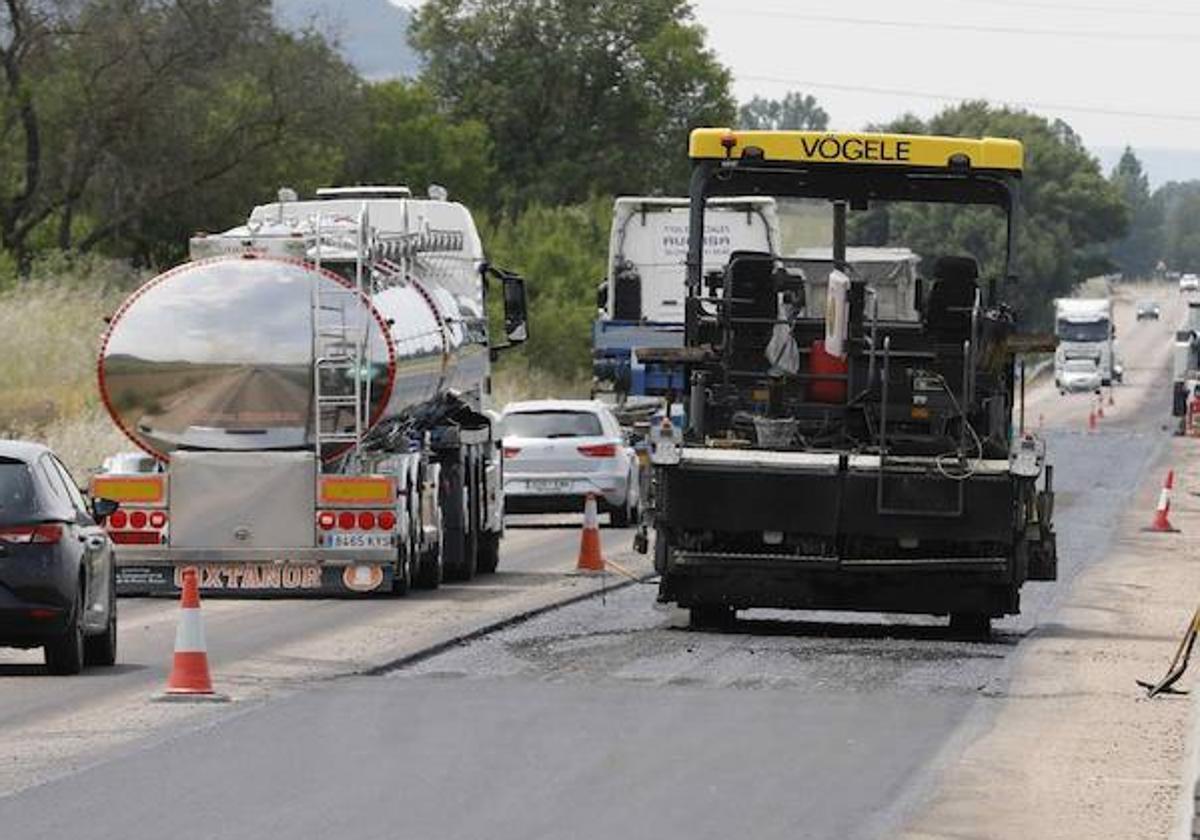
(1118, 72)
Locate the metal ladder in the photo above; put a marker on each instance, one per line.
(339, 351)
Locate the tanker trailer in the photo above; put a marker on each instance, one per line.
(314, 383)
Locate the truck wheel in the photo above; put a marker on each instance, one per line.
(489, 553)
(402, 581)
(712, 617)
(429, 569)
(465, 554)
(969, 625)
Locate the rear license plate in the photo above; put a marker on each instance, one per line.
(549, 485)
(360, 541)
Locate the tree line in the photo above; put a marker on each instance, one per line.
(127, 125)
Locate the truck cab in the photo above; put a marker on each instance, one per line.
(640, 302)
(1085, 332)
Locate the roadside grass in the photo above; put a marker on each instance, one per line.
(517, 380)
(50, 330)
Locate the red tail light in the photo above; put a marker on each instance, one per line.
(118, 520)
(599, 450)
(158, 519)
(387, 520)
(511, 451)
(138, 519)
(326, 519)
(366, 520)
(26, 534)
(346, 521)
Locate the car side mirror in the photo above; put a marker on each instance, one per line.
(103, 508)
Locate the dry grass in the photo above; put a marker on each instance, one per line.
(516, 381)
(50, 329)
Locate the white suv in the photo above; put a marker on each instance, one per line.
(1189, 283)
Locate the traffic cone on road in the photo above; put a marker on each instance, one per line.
(1092, 420)
(1100, 408)
(190, 679)
(590, 559)
(1161, 523)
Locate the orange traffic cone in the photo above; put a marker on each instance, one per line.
(1100, 408)
(1092, 420)
(1161, 523)
(1111, 401)
(590, 559)
(189, 679)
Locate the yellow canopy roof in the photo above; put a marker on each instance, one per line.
(911, 150)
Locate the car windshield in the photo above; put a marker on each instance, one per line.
(18, 501)
(552, 424)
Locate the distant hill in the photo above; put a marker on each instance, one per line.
(372, 33)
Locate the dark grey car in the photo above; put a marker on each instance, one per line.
(57, 575)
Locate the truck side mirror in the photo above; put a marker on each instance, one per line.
(516, 327)
(602, 295)
(919, 295)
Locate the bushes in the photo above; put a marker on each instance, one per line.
(561, 251)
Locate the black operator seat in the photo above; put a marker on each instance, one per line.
(952, 298)
(753, 302)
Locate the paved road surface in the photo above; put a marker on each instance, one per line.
(610, 718)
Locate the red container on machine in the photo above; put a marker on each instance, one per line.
(822, 364)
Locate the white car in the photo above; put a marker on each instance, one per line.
(557, 452)
(1079, 375)
(1189, 283)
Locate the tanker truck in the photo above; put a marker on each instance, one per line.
(314, 384)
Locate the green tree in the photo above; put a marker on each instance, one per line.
(408, 138)
(1138, 252)
(562, 253)
(578, 101)
(1178, 204)
(126, 124)
(1069, 210)
(796, 112)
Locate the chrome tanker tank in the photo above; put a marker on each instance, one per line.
(222, 354)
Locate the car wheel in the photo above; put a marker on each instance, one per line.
(64, 654)
(101, 650)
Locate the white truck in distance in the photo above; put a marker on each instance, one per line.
(1085, 332)
(641, 298)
